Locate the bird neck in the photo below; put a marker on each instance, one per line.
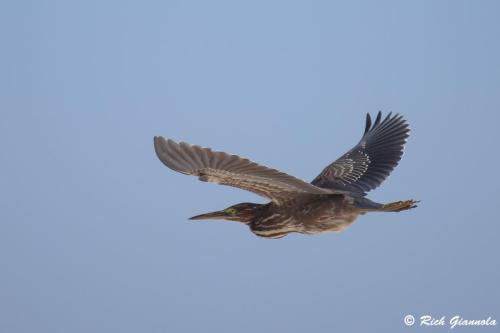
(248, 214)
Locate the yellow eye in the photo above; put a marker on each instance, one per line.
(230, 211)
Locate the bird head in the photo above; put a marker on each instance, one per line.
(242, 212)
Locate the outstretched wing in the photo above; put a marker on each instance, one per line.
(368, 164)
(232, 170)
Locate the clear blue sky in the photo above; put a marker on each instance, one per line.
(94, 235)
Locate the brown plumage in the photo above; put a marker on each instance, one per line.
(330, 203)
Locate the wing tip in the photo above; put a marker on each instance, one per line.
(158, 142)
(390, 120)
(167, 152)
(368, 124)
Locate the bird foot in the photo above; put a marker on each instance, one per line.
(400, 205)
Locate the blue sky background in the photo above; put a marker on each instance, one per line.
(94, 235)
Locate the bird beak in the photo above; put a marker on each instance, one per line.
(210, 216)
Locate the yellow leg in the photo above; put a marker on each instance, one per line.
(399, 206)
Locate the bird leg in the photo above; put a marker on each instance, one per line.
(399, 206)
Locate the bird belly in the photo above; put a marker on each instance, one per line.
(332, 224)
(334, 217)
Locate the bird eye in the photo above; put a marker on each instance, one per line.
(230, 211)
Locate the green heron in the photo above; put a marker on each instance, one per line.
(331, 202)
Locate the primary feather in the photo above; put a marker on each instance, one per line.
(232, 170)
(368, 164)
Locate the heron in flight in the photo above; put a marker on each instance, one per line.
(331, 202)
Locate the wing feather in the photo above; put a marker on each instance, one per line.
(232, 170)
(370, 162)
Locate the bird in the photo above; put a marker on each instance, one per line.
(330, 203)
